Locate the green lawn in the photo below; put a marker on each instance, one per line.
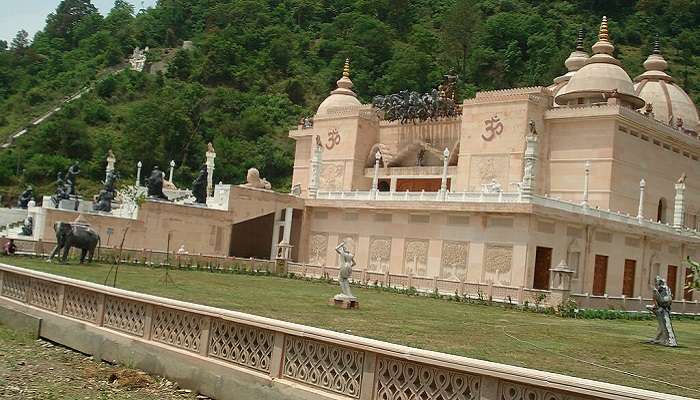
(477, 331)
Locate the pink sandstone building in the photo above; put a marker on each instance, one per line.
(585, 171)
(597, 173)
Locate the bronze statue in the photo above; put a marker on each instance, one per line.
(154, 183)
(71, 176)
(662, 309)
(61, 191)
(199, 186)
(103, 201)
(25, 198)
(408, 106)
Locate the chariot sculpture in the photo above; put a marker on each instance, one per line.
(411, 107)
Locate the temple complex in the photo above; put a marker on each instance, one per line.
(596, 170)
(595, 175)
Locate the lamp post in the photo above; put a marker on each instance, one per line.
(640, 211)
(587, 170)
(443, 181)
(138, 173)
(172, 167)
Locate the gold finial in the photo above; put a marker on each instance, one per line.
(603, 34)
(346, 68)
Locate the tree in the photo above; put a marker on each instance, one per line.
(63, 22)
(20, 42)
(459, 26)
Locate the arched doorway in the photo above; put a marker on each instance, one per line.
(661, 211)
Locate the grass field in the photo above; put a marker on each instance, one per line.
(480, 331)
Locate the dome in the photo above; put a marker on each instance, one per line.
(601, 77)
(343, 96)
(576, 60)
(668, 101)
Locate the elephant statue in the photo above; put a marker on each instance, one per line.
(75, 235)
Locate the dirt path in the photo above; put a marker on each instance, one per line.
(39, 370)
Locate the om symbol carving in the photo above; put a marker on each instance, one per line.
(333, 138)
(494, 127)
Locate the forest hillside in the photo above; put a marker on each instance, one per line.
(257, 66)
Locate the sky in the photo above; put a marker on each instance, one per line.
(30, 15)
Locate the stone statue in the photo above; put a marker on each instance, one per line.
(210, 148)
(662, 309)
(28, 226)
(71, 176)
(533, 128)
(61, 191)
(154, 183)
(25, 197)
(111, 180)
(199, 186)
(347, 261)
(420, 157)
(254, 180)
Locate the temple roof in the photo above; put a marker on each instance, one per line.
(668, 100)
(576, 60)
(342, 96)
(601, 76)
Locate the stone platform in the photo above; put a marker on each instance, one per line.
(347, 304)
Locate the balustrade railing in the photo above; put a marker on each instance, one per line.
(507, 198)
(333, 365)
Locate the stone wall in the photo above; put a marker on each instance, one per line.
(226, 354)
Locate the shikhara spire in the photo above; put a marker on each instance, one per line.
(579, 40)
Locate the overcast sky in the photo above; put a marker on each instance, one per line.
(30, 15)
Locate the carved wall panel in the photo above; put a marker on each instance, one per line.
(125, 315)
(484, 169)
(498, 261)
(416, 257)
(177, 328)
(80, 304)
(455, 256)
(45, 295)
(318, 248)
(15, 286)
(332, 177)
(242, 345)
(514, 391)
(334, 368)
(379, 254)
(398, 380)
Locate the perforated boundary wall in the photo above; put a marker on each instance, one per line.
(230, 353)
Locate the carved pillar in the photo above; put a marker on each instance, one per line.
(640, 212)
(275, 234)
(443, 181)
(587, 171)
(315, 175)
(138, 173)
(530, 161)
(211, 155)
(375, 177)
(679, 205)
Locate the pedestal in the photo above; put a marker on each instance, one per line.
(344, 302)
